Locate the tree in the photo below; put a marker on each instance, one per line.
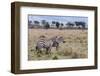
(53, 22)
(29, 22)
(36, 22)
(62, 24)
(82, 24)
(47, 25)
(70, 24)
(57, 24)
(43, 22)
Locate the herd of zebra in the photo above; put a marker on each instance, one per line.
(47, 44)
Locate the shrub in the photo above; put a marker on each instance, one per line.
(55, 57)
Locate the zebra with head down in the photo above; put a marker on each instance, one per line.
(47, 44)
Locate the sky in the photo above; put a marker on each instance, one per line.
(62, 19)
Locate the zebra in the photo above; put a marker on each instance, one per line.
(40, 43)
(56, 41)
(47, 44)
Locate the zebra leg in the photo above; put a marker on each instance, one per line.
(38, 50)
(47, 50)
(57, 47)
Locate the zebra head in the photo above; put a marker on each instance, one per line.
(57, 40)
(60, 39)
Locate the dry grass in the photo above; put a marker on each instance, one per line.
(75, 46)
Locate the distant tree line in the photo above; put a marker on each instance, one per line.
(56, 24)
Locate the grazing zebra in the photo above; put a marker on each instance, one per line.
(40, 43)
(47, 44)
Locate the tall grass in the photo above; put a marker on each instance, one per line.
(75, 46)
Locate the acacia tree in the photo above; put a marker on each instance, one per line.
(70, 24)
(53, 22)
(36, 22)
(82, 24)
(62, 24)
(47, 25)
(43, 23)
(30, 24)
(57, 24)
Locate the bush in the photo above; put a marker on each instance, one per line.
(55, 57)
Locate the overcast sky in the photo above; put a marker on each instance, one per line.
(61, 19)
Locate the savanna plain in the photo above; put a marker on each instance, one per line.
(75, 46)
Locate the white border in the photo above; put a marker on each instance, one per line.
(25, 64)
